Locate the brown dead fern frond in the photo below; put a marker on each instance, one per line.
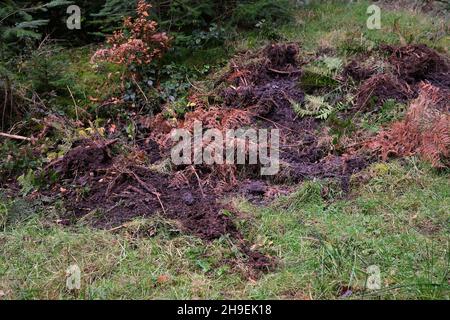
(425, 130)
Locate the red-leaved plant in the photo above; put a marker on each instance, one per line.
(138, 43)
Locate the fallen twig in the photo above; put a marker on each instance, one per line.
(74, 102)
(16, 137)
(283, 72)
(125, 225)
(199, 181)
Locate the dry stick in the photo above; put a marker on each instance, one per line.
(13, 136)
(74, 102)
(199, 181)
(310, 238)
(363, 104)
(244, 79)
(140, 89)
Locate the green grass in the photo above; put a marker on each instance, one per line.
(398, 220)
(324, 246)
(342, 24)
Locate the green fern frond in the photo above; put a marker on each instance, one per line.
(34, 24)
(57, 3)
(333, 64)
(7, 33)
(315, 106)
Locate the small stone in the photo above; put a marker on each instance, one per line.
(188, 198)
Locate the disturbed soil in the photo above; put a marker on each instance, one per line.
(107, 192)
(107, 189)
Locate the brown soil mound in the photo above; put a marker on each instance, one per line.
(85, 156)
(270, 78)
(107, 191)
(412, 65)
(416, 63)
